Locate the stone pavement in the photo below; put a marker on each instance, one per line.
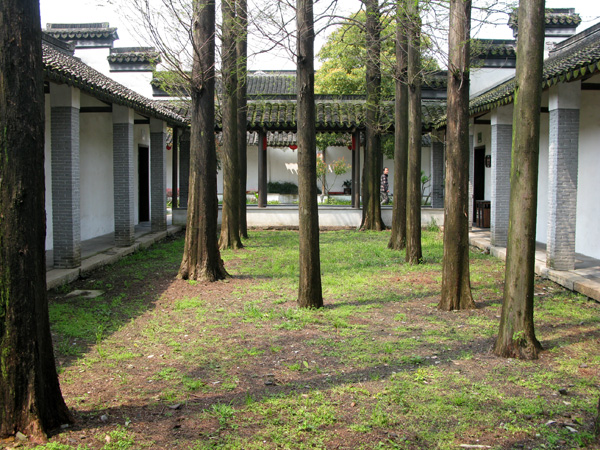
(101, 251)
(585, 279)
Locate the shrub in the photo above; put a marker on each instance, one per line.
(282, 187)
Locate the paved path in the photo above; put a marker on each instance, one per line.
(585, 279)
(101, 251)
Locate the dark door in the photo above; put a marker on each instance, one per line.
(144, 184)
(478, 178)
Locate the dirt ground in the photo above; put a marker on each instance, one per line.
(128, 398)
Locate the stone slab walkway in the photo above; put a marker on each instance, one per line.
(585, 279)
(101, 251)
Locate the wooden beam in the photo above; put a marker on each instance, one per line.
(96, 109)
(590, 86)
(141, 121)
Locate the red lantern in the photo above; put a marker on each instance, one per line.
(353, 146)
(168, 146)
(293, 146)
(264, 142)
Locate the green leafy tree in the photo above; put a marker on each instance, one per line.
(343, 58)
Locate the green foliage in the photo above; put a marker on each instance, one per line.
(343, 59)
(338, 167)
(282, 187)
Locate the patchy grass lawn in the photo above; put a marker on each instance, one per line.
(157, 362)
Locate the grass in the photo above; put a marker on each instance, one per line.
(237, 365)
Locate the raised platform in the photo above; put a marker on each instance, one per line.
(329, 216)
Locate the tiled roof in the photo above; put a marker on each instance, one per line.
(555, 18)
(61, 67)
(82, 31)
(493, 48)
(574, 58)
(140, 55)
(272, 84)
(281, 85)
(331, 116)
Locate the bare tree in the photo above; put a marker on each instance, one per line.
(242, 89)
(310, 294)
(230, 214)
(456, 283)
(201, 256)
(398, 235)
(516, 336)
(30, 397)
(414, 253)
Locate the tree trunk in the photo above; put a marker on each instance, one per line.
(597, 423)
(371, 217)
(516, 337)
(242, 88)
(456, 282)
(30, 397)
(201, 256)
(230, 216)
(398, 236)
(310, 294)
(414, 253)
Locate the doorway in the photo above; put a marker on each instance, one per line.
(478, 178)
(144, 184)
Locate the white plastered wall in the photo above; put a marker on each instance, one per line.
(96, 58)
(96, 171)
(588, 213)
(278, 157)
(136, 81)
(542, 206)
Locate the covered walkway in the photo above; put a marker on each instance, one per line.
(585, 278)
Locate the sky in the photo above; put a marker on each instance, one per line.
(83, 11)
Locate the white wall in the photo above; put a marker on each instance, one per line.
(482, 79)
(277, 157)
(96, 172)
(543, 198)
(136, 81)
(588, 212)
(96, 58)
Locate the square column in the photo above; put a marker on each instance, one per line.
(437, 171)
(501, 156)
(563, 162)
(158, 175)
(123, 169)
(184, 168)
(262, 169)
(356, 170)
(64, 141)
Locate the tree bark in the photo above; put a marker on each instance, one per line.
(310, 294)
(201, 256)
(30, 398)
(230, 214)
(516, 337)
(398, 235)
(456, 282)
(414, 253)
(371, 217)
(242, 89)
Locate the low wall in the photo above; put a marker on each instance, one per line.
(333, 216)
